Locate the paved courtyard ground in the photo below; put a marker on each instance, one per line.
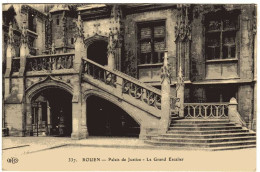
(105, 153)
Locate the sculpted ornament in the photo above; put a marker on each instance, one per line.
(166, 70)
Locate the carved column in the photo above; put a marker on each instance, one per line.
(115, 38)
(165, 99)
(183, 39)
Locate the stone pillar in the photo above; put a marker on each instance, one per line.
(180, 93)
(80, 52)
(76, 117)
(84, 128)
(165, 99)
(40, 114)
(233, 114)
(49, 122)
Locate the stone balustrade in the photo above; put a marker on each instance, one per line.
(206, 110)
(129, 85)
(50, 62)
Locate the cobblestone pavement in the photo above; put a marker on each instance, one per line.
(102, 153)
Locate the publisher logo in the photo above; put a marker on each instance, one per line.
(13, 160)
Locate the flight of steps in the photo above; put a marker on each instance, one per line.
(212, 134)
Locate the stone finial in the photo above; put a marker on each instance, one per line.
(233, 101)
(24, 35)
(80, 31)
(165, 70)
(10, 40)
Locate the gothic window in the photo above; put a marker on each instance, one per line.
(151, 38)
(221, 31)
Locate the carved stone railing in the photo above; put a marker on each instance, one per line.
(15, 64)
(206, 110)
(98, 71)
(130, 86)
(50, 62)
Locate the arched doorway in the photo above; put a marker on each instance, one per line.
(106, 119)
(97, 51)
(52, 113)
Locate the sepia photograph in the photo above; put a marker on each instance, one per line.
(129, 87)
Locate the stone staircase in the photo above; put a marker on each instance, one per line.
(210, 134)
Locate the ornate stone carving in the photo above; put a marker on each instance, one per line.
(183, 28)
(80, 31)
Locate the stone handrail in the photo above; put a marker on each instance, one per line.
(206, 110)
(50, 62)
(130, 85)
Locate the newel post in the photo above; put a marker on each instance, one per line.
(165, 99)
(233, 114)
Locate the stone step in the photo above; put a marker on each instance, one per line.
(202, 140)
(201, 145)
(223, 135)
(196, 121)
(201, 125)
(205, 128)
(192, 132)
(231, 147)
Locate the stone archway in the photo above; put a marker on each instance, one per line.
(49, 106)
(51, 113)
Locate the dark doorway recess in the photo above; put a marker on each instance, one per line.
(106, 119)
(52, 113)
(97, 51)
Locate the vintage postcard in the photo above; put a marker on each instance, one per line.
(129, 87)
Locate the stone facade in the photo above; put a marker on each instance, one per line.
(64, 34)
